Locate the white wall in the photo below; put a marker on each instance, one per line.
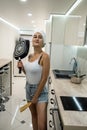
(8, 36)
(61, 56)
(82, 59)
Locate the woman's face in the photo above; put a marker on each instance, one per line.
(37, 40)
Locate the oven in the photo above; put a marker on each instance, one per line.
(54, 119)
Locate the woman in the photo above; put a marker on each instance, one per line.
(36, 70)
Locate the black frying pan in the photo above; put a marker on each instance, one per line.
(21, 49)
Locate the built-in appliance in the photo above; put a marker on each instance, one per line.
(73, 103)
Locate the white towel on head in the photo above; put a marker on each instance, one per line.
(42, 33)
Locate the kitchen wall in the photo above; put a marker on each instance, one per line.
(82, 59)
(61, 55)
(8, 36)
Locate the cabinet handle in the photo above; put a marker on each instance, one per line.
(49, 80)
(50, 110)
(50, 124)
(52, 101)
(52, 91)
(60, 122)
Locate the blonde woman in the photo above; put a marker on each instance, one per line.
(36, 70)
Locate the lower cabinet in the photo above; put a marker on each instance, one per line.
(53, 116)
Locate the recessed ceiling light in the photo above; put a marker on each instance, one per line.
(34, 26)
(29, 14)
(33, 21)
(23, 0)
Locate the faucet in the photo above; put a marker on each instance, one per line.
(74, 65)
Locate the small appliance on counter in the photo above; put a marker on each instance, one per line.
(77, 79)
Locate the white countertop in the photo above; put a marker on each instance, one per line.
(4, 62)
(64, 87)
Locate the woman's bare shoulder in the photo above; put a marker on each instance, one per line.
(45, 55)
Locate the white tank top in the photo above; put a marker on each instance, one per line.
(33, 71)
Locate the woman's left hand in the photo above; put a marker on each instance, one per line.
(34, 100)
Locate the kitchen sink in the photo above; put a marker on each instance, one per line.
(63, 73)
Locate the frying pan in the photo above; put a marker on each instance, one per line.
(21, 50)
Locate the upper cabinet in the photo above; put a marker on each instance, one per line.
(55, 30)
(85, 39)
(74, 30)
(67, 30)
(58, 29)
(71, 31)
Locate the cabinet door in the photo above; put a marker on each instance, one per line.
(74, 31)
(71, 30)
(82, 31)
(58, 28)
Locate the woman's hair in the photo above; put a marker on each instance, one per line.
(43, 35)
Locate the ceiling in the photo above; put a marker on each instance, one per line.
(16, 12)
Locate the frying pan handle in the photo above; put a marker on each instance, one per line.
(19, 67)
(19, 70)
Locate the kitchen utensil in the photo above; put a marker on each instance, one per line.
(25, 106)
(76, 79)
(21, 50)
(81, 76)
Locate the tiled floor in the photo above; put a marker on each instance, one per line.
(12, 118)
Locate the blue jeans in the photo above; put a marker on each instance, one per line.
(31, 89)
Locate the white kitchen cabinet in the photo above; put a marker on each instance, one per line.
(82, 30)
(55, 29)
(71, 31)
(74, 31)
(58, 29)
(66, 30)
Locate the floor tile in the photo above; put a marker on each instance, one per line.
(12, 118)
(5, 121)
(24, 127)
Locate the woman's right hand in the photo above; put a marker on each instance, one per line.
(20, 64)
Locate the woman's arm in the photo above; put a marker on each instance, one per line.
(45, 62)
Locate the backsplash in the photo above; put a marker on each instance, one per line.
(82, 59)
(61, 56)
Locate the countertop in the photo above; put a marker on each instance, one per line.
(64, 87)
(3, 62)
